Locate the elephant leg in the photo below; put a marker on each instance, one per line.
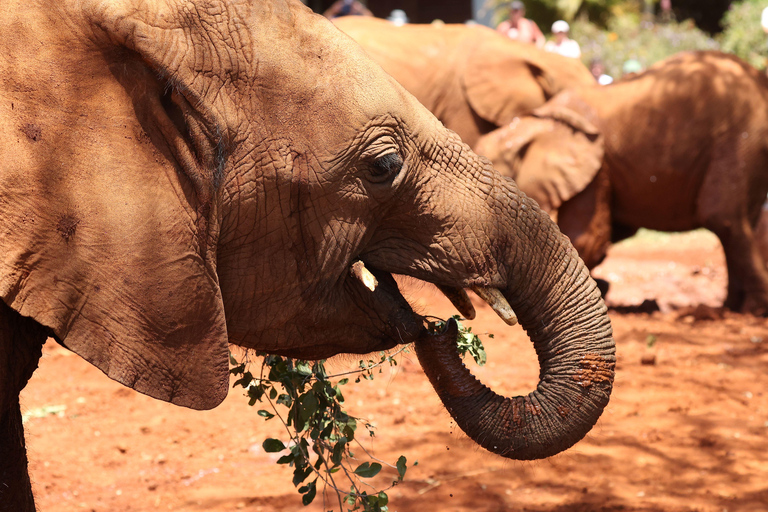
(747, 273)
(21, 341)
(621, 232)
(729, 203)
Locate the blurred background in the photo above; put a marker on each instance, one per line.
(613, 31)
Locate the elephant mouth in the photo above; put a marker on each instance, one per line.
(384, 290)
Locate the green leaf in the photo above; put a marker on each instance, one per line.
(401, 467)
(368, 470)
(338, 451)
(286, 459)
(310, 495)
(273, 445)
(300, 474)
(303, 368)
(327, 432)
(309, 405)
(265, 414)
(285, 400)
(256, 392)
(246, 379)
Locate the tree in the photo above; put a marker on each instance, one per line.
(743, 35)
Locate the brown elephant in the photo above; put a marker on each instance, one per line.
(682, 146)
(177, 176)
(472, 78)
(761, 233)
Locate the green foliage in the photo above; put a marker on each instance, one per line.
(468, 342)
(545, 12)
(615, 31)
(743, 35)
(321, 433)
(628, 37)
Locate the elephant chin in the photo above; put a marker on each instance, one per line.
(547, 421)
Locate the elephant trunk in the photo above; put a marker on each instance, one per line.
(560, 307)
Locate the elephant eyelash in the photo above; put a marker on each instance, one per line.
(386, 166)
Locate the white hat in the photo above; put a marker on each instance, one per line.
(398, 17)
(560, 26)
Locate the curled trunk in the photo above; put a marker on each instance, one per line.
(560, 307)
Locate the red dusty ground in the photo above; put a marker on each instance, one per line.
(687, 433)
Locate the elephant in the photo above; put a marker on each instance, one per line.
(472, 78)
(761, 233)
(179, 176)
(681, 146)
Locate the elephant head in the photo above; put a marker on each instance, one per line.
(472, 78)
(503, 79)
(555, 155)
(178, 176)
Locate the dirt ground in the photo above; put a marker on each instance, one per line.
(688, 433)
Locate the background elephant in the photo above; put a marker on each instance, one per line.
(761, 232)
(177, 176)
(681, 146)
(472, 78)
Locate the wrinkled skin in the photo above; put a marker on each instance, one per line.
(472, 78)
(682, 146)
(177, 176)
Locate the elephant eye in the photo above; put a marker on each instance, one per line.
(385, 167)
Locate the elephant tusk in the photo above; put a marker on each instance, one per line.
(460, 300)
(364, 275)
(498, 303)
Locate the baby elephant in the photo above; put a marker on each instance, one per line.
(682, 146)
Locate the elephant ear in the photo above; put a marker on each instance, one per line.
(108, 235)
(552, 154)
(500, 82)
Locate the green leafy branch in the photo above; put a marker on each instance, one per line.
(468, 342)
(321, 434)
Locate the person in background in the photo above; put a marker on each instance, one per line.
(764, 20)
(764, 24)
(346, 8)
(520, 28)
(597, 68)
(666, 14)
(562, 44)
(398, 17)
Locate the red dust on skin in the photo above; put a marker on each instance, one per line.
(595, 369)
(531, 408)
(518, 418)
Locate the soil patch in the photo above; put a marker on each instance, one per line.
(686, 429)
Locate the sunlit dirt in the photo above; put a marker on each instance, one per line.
(686, 429)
